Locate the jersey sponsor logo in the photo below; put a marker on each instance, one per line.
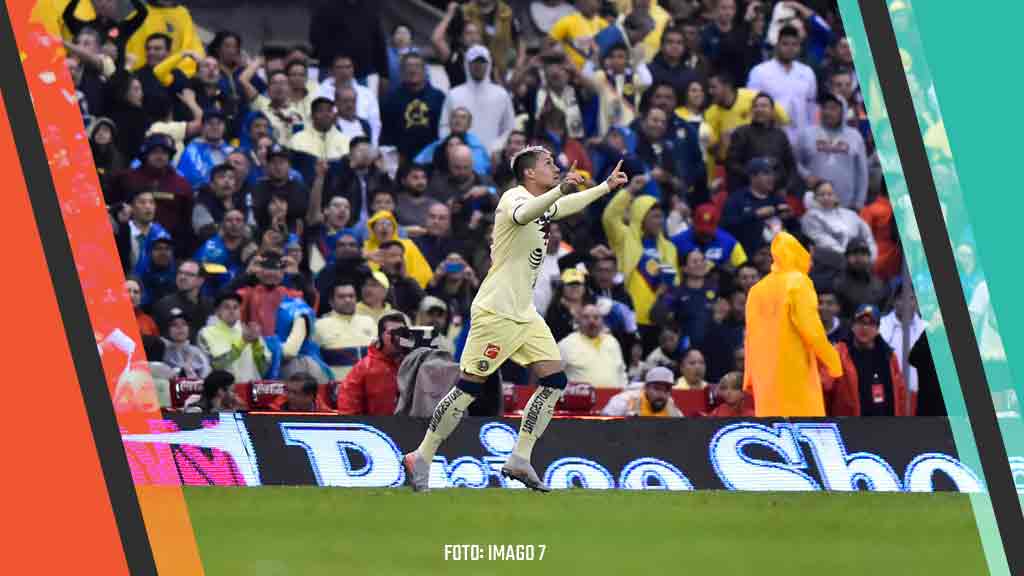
(492, 351)
(533, 414)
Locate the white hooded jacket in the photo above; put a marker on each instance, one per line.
(490, 104)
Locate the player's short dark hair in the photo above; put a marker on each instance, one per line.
(525, 160)
(295, 63)
(309, 385)
(356, 141)
(270, 77)
(161, 36)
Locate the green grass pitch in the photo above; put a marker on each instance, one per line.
(308, 530)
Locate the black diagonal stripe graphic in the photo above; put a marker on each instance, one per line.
(939, 253)
(71, 302)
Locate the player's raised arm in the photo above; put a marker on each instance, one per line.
(536, 171)
(570, 203)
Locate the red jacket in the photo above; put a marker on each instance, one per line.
(371, 387)
(842, 395)
(878, 216)
(723, 410)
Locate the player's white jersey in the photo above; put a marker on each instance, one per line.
(517, 251)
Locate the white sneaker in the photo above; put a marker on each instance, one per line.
(417, 470)
(518, 468)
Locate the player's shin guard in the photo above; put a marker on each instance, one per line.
(538, 413)
(447, 415)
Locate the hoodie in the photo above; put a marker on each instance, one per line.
(490, 104)
(785, 338)
(837, 155)
(834, 228)
(640, 261)
(416, 266)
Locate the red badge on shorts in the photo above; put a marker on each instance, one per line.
(492, 351)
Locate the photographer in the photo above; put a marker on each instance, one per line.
(371, 387)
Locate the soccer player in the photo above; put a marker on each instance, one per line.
(505, 324)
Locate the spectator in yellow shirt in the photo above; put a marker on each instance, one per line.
(730, 108)
(592, 355)
(171, 18)
(576, 31)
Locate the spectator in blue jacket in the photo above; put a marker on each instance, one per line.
(720, 248)
(205, 152)
(688, 306)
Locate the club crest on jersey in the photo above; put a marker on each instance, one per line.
(492, 351)
(483, 365)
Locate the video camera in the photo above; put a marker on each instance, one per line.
(409, 338)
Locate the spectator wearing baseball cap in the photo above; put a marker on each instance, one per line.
(433, 312)
(871, 384)
(857, 285)
(182, 356)
(654, 399)
(373, 300)
(277, 182)
(755, 214)
(260, 303)
(568, 300)
(208, 150)
(833, 151)
(158, 273)
(235, 347)
(719, 248)
(171, 193)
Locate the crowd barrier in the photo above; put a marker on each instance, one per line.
(579, 398)
(253, 449)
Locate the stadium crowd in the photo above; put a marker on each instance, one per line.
(285, 213)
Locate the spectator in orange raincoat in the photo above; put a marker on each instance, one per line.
(785, 339)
